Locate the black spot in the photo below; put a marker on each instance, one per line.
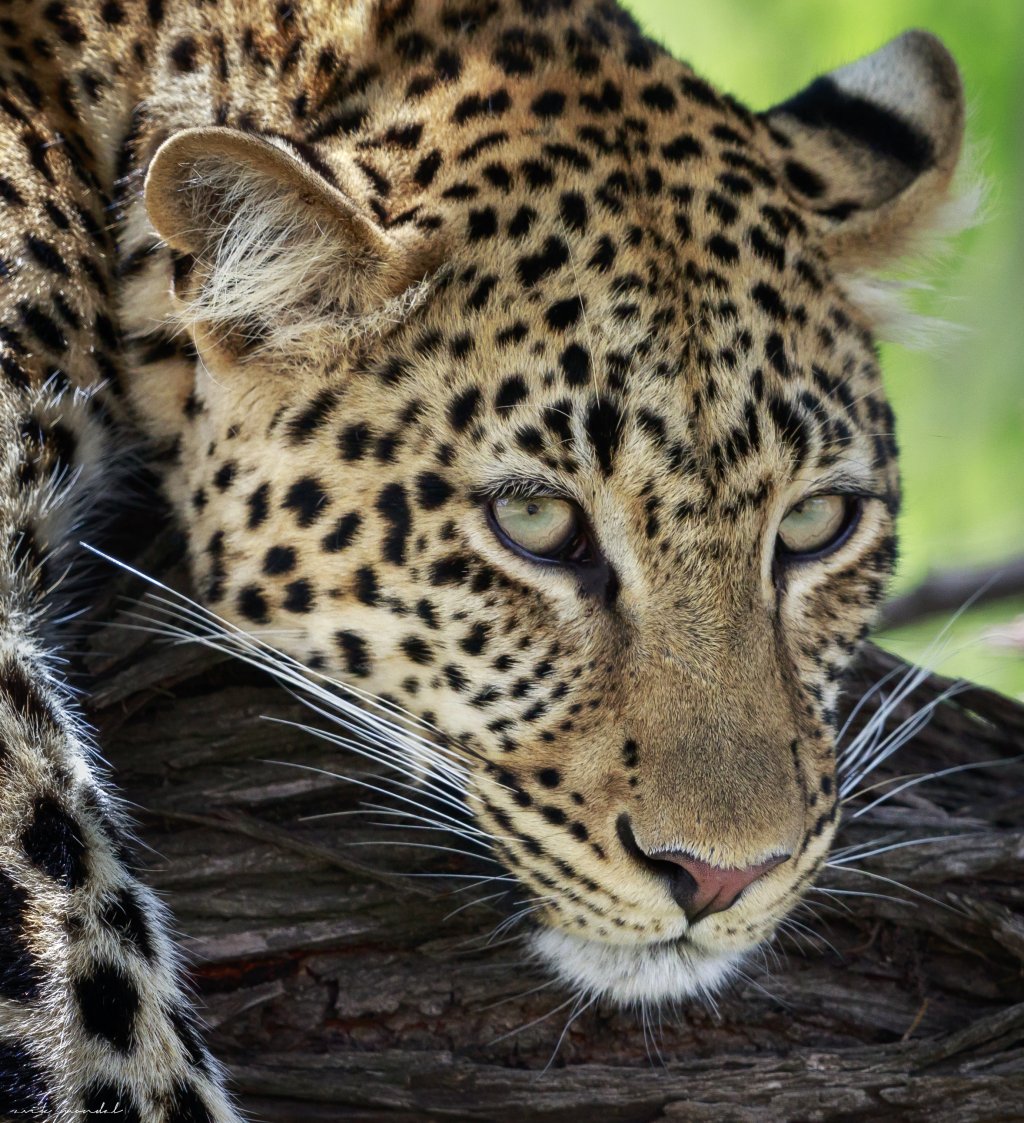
(480, 295)
(604, 428)
(107, 1102)
(572, 208)
(183, 55)
(20, 974)
(344, 532)
(433, 491)
(450, 570)
(425, 611)
(463, 408)
(393, 505)
(189, 1036)
(125, 915)
(511, 392)
(696, 89)
(498, 176)
(45, 253)
(483, 224)
(724, 250)
(367, 588)
(603, 257)
(550, 103)
(563, 314)
(108, 1002)
(404, 136)
(307, 498)
(23, 1091)
(476, 641)
(10, 194)
(354, 652)
(354, 441)
(658, 96)
(549, 777)
(427, 168)
(477, 105)
(807, 182)
(522, 222)
(536, 267)
(42, 326)
(769, 300)
(224, 476)
(258, 504)
(775, 351)
(24, 695)
(418, 650)
(791, 427)
(53, 842)
(252, 604)
(767, 249)
(684, 147)
(298, 596)
(530, 439)
(278, 560)
(187, 1106)
(575, 363)
(304, 424)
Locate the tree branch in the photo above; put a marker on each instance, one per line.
(947, 591)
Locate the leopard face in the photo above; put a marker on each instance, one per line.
(542, 401)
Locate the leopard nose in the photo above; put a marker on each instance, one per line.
(698, 888)
(701, 889)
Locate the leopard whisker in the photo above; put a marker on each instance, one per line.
(244, 645)
(442, 794)
(899, 885)
(574, 997)
(920, 779)
(369, 787)
(575, 1014)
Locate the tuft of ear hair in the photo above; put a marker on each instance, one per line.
(285, 260)
(869, 152)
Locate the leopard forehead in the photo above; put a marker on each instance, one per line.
(546, 258)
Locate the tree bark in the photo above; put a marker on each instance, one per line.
(339, 987)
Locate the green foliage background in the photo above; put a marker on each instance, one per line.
(959, 405)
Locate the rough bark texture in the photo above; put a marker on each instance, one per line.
(338, 987)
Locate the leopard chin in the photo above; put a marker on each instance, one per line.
(635, 974)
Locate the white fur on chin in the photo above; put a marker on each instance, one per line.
(633, 975)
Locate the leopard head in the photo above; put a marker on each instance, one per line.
(542, 400)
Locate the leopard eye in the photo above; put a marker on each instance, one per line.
(542, 526)
(817, 524)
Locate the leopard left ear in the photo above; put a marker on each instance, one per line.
(869, 150)
(284, 256)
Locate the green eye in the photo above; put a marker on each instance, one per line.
(542, 526)
(816, 524)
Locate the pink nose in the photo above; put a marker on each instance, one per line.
(701, 889)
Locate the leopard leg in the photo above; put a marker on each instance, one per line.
(95, 1018)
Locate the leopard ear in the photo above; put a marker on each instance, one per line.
(869, 150)
(283, 257)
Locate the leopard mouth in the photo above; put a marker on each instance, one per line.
(634, 974)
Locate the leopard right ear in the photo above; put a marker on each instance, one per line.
(868, 151)
(285, 258)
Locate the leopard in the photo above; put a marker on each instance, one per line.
(497, 369)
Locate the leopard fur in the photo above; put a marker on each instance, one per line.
(353, 270)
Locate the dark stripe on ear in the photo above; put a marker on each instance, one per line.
(824, 105)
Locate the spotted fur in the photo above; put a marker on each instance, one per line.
(354, 269)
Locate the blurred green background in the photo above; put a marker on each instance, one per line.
(959, 405)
